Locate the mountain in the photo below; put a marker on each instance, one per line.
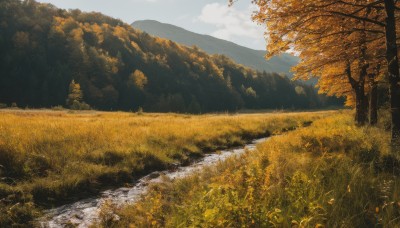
(242, 55)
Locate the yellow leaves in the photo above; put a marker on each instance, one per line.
(59, 20)
(121, 33)
(66, 24)
(319, 37)
(77, 35)
(98, 32)
(136, 46)
(138, 79)
(57, 25)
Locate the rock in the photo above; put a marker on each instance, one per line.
(154, 175)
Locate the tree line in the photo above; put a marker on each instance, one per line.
(349, 45)
(46, 50)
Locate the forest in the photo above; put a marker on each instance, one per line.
(46, 50)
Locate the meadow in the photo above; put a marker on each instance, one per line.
(48, 158)
(331, 174)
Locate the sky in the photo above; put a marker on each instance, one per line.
(211, 17)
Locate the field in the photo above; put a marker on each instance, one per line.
(49, 158)
(331, 174)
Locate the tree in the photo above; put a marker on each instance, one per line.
(393, 69)
(290, 21)
(137, 78)
(75, 94)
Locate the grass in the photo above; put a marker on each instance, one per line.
(49, 158)
(331, 174)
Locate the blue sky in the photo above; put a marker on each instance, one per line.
(211, 17)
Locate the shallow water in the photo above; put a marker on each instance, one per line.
(85, 212)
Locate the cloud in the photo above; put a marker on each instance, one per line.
(231, 23)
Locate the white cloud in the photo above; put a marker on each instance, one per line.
(230, 22)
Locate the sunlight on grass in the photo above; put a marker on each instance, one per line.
(52, 157)
(331, 174)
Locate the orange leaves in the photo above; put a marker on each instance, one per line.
(326, 34)
(97, 31)
(121, 33)
(138, 79)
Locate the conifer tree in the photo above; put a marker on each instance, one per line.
(75, 94)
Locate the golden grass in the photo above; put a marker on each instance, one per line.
(51, 157)
(332, 174)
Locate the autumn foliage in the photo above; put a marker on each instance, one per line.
(44, 48)
(350, 46)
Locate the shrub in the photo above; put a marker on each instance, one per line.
(76, 105)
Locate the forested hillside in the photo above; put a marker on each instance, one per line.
(43, 49)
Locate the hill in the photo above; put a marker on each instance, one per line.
(115, 67)
(242, 55)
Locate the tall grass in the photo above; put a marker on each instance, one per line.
(332, 174)
(51, 157)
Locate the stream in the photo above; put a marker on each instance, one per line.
(86, 212)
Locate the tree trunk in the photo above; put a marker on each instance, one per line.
(373, 104)
(393, 71)
(366, 107)
(361, 107)
(358, 87)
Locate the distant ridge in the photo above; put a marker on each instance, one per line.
(242, 55)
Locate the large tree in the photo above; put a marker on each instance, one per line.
(289, 22)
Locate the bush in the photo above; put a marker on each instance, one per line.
(2, 105)
(76, 105)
